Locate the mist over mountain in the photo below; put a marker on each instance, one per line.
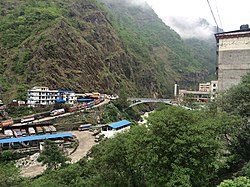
(92, 45)
(190, 28)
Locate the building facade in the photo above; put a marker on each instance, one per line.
(233, 52)
(40, 95)
(213, 89)
(207, 92)
(68, 96)
(204, 87)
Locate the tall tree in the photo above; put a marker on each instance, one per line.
(237, 99)
(52, 156)
(177, 148)
(237, 182)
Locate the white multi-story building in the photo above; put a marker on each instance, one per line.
(43, 96)
(207, 91)
(68, 96)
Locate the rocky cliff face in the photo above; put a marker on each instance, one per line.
(85, 45)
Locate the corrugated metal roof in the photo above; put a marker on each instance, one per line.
(84, 100)
(69, 91)
(119, 124)
(60, 101)
(32, 138)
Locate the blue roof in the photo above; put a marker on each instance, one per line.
(70, 91)
(119, 124)
(84, 100)
(60, 101)
(32, 138)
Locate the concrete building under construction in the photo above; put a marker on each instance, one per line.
(233, 50)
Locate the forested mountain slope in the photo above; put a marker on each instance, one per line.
(88, 45)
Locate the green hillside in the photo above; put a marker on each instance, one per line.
(88, 45)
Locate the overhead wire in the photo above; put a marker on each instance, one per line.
(218, 14)
(213, 15)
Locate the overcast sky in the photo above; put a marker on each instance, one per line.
(233, 13)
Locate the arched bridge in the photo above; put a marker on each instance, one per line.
(149, 100)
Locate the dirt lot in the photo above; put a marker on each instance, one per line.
(86, 141)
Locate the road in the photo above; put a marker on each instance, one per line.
(106, 101)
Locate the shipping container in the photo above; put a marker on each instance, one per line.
(72, 109)
(90, 104)
(97, 101)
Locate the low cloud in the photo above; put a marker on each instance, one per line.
(191, 28)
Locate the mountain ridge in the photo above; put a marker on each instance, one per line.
(84, 45)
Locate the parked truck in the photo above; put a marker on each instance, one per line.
(84, 127)
(28, 119)
(6, 123)
(57, 112)
(72, 109)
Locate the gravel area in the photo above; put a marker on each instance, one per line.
(30, 167)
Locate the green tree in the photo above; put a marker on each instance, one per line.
(237, 182)
(236, 100)
(177, 148)
(9, 175)
(22, 92)
(52, 156)
(186, 142)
